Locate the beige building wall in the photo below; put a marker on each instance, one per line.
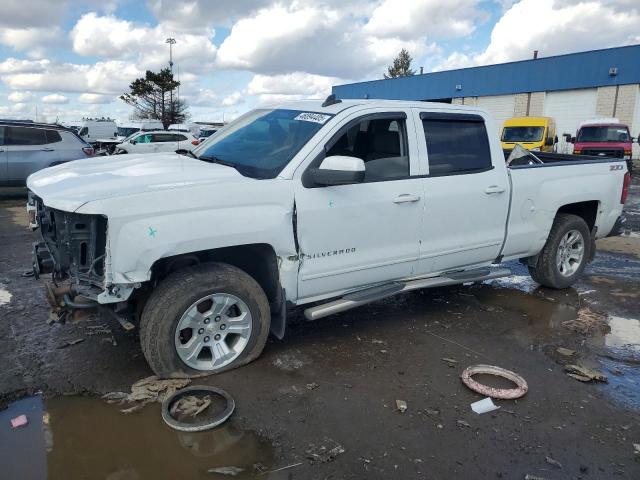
(605, 101)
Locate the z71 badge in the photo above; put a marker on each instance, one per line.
(615, 167)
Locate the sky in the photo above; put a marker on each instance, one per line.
(72, 59)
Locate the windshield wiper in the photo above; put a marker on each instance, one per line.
(219, 161)
(186, 152)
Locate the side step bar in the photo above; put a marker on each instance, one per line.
(372, 294)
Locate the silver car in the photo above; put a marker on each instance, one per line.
(27, 147)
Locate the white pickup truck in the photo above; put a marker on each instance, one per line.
(326, 205)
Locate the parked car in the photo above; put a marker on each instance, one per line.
(157, 141)
(26, 148)
(127, 129)
(604, 137)
(92, 130)
(206, 133)
(326, 206)
(533, 133)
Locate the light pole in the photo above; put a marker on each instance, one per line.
(171, 42)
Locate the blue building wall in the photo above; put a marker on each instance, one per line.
(563, 72)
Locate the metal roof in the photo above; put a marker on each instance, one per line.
(563, 72)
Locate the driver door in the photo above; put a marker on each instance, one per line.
(364, 233)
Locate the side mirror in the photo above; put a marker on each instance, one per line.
(133, 142)
(338, 170)
(549, 142)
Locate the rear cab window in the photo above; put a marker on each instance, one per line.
(457, 144)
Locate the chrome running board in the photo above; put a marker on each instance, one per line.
(368, 295)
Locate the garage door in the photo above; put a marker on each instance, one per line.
(569, 108)
(500, 106)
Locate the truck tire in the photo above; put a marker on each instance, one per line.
(565, 254)
(204, 319)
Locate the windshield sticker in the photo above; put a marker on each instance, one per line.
(313, 117)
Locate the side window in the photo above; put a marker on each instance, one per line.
(25, 136)
(456, 146)
(84, 131)
(3, 131)
(162, 137)
(380, 142)
(178, 138)
(53, 136)
(144, 138)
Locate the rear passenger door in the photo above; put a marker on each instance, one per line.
(163, 142)
(466, 196)
(27, 152)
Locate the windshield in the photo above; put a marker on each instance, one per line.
(261, 143)
(207, 133)
(522, 134)
(127, 131)
(603, 134)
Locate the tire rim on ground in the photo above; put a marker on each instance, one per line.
(570, 253)
(213, 332)
(501, 393)
(207, 424)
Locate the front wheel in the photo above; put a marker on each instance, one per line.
(203, 320)
(565, 254)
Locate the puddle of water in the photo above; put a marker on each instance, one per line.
(88, 438)
(624, 335)
(5, 295)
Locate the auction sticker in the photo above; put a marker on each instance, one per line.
(313, 117)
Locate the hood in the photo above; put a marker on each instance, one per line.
(72, 184)
(603, 145)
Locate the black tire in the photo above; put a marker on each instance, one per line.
(546, 271)
(176, 293)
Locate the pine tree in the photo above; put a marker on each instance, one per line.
(401, 66)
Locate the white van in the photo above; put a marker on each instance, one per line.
(91, 130)
(135, 126)
(192, 128)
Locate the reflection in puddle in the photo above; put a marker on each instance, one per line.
(93, 440)
(625, 333)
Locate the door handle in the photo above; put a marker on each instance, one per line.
(494, 189)
(46, 149)
(406, 198)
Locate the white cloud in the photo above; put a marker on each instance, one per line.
(183, 15)
(113, 38)
(553, 28)
(111, 77)
(55, 98)
(411, 19)
(232, 99)
(20, 14)
(94, 98)
(311, 38)
(14, 65)
(297, 83)
(19, 97)
(32, 38)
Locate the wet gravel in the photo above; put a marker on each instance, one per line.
(324, 398)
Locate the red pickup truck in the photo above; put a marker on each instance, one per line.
(605, 138)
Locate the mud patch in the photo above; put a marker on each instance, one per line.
(88, 438)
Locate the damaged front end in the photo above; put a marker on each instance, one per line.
(72, 250)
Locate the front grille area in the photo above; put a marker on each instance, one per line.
(604, 152)
(76, 242)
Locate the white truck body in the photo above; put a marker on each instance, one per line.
(331, 241)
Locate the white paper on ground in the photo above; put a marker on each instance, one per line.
(484, 406)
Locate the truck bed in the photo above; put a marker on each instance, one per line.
(557, 159)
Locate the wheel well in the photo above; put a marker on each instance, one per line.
(588, 211)
(258, 260)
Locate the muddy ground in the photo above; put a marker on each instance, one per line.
(334, 384)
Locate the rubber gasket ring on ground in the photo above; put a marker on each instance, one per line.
(501, 393)
(197, 427)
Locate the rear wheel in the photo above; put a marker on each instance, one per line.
(203, 320)
(565, 254)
